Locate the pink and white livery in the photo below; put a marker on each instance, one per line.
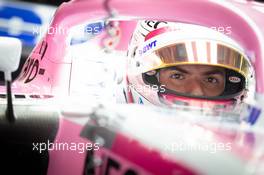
(66, 120)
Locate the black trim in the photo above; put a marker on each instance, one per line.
(19, 96)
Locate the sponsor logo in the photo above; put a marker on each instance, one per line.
(148, 47)
(19, 21)
(234, 79)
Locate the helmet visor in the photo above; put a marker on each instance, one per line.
(193, 52)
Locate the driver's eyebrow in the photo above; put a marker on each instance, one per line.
(178, 69)
(216, 71)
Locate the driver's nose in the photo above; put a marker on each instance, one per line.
(195, 88)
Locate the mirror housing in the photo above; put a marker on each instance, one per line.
(10, 54)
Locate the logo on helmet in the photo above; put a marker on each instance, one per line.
(147, 47)
(234, 79)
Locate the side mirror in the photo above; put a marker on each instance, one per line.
(10, 53)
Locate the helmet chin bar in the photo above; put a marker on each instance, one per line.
(233, 97)
(196, 103)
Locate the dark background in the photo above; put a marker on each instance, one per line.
(50, 2)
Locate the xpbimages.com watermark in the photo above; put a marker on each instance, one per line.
(212, 147)
(146, 89)
(58, 30)
(80, 147)
(96, 29)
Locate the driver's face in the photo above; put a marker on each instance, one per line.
(198, 80)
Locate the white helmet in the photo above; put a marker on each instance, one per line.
(157, 45)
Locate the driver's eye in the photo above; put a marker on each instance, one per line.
(211, 80)
(177, 76)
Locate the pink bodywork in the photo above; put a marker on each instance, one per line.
(138, 158)
(130, 154)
